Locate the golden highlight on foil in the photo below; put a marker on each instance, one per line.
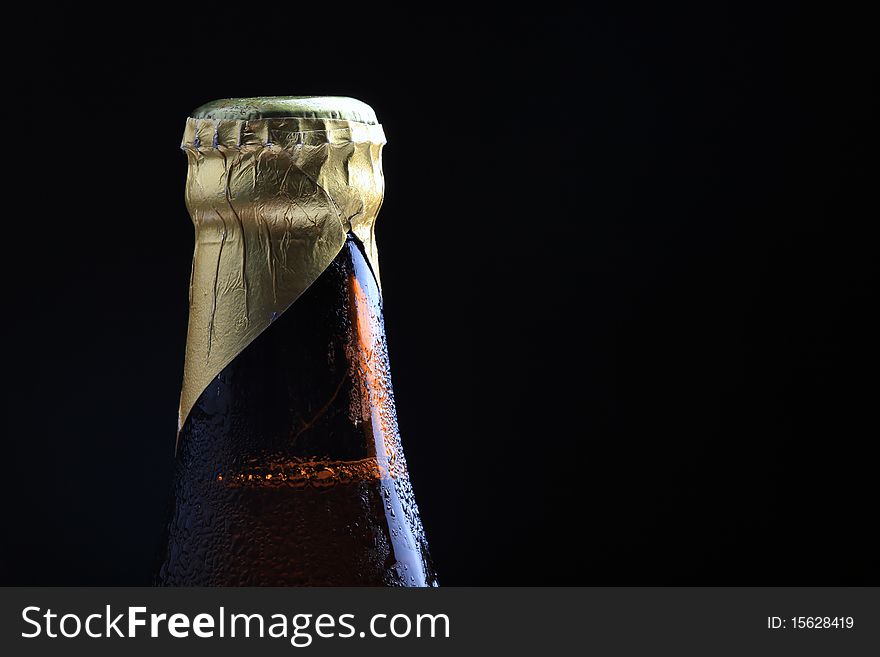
(271, 201)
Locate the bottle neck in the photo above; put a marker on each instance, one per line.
(272, 201)
(312, 391)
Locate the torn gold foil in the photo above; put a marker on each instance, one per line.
(272, 200)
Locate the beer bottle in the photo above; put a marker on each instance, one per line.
(289, 468)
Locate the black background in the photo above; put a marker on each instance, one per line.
(625, 256)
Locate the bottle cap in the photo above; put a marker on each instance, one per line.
(303, 107)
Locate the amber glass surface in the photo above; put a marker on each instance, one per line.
(289, 467)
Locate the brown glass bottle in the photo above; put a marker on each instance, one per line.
(277, 480)
(289, 468)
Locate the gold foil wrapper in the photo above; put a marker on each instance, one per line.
(272, 201)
